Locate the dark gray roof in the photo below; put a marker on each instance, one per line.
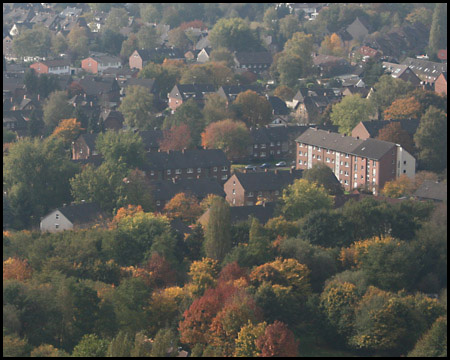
(230, 92)
(166, 189)
(90, 140)
(196, 91)
(95, 85)
(373, 127)
(369, 148)
(81, 213)
(253, 57)
(151, 138)
(425, 67)
(267, 181)
(278, 106)
(147, 83)
(261, 212)
(373, 148)
(186, 159)
(329, 140)
(432, 190)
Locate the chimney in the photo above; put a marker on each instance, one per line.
(38, 97)
(266, 170)
(25, 96)
(182, 151)
(276, 171)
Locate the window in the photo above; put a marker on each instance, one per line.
(346, 173)
(224, 168)
(300, 153)
(224, 177)
(328, 160)
(278, 152)
(263, 154)
(199, 170)
(332, 161)
(255, 146)
(234, 191)
(152, 173)
(158, 203)
(57, 216)
(215, 169)
(318, 157)
(178, 171)
(234, 182)
(341, 172)
(278, 143)
(300, 145)
(345, 182)
(234, 201)
(374, 163)
(263, 146)
(56, 226)
(314, 156)
(342, 163)
(374, 172)
(328, 151)
(346, 164)
(356, 176)
(277, 192)
(300, 162)
(404, 162)
(356, 167)
(393, 162)
(168, 172)
(346, 155)
(362, 167)
(404, 171)
(190, 170)
(272, 144)
(250, 194)
(259, 193)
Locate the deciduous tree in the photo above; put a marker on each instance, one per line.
(217, 233)
(278, 341)
(137, 107)
(393, 132)
(184, 207)
(233, 34)
(67, 130)
(349, 112)
(177, 138)
(406, 108)
(254, 110)
(56, 108)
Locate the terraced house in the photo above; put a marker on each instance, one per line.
(356, 163)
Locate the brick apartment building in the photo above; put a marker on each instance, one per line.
(188, 164)
(356, 163)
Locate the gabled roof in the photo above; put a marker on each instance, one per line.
(166, 189)
(369, 148)
(105, 58)
(56, 62)
(261, 212)
(267, 181)
(373, 127)
(168, 52)
(81, 213)
(89, 139)
(151, 138)
(94, 85)
(196, 91)
(279, 107)
(432, 190)
(253, 57)
(186, 159)
(230, 92)
(425, 67)
(357, 29)
(147, 83)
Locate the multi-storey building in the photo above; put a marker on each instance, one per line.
(356, 163)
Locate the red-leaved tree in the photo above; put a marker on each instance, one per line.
(277, 341)
(177, 138)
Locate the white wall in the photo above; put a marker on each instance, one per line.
(406, 163)
(50, 221)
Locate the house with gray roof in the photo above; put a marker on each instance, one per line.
(73, 216)
(247, 188)
(432, 190)
(401, 71)
(180, 93)
(254, 61)
(426, 70)
(370, 129)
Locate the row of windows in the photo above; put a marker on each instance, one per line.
(250, 194)
(263, 146)
(190, 170)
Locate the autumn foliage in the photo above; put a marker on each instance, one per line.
(403, 109)
(123, 212)
(393, 132)
(277, 341)
(68, 130)
(16, 269)
(177, 138)
(184, 207)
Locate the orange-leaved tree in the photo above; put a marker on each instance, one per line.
(184, 207)
(230, 136)
(17, 269)
(278, 341)
(177, 138)
(403, 109)
(394, 132)
(68, 130)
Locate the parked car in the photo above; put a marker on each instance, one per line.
(281, 163)
(250, 167)
(266, 166)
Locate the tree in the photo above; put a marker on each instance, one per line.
(284, 92)
(217, 233)
(332, 45)
(78, 42)
(188, 113)
(117, 19)
(323, 175)
(434, 342)
(110, 41)
(233, 34)
(277, 341)
(46, 350)
(137, 191)
(438, 33)
(128, 46)
(393, 132)
(120, 346)
(91, 345)
(203, 275)
(288, 26)
(13, 346)
(230, 136)
(254, 110)
(125, 147)
(178, 38)
(160, 269)
(67, 130)
(165, 78)
(14, 268)
(431, 140)
(165, 344)
(422, 15)
(56, 108)
(36, 177)
(184, 207)
(150, 13)
(302, 197)
(224, 55)
(245, 343)
(31, 80)
(32, 42)
(59, 44)
(177, 138)
(300, 44)
(349, 112)
(387, 90)
(399, 187)
(137, 107)
(215, 109)
(372, 70)
(427, 98)
(216, 73)
(147, 37)
(403, 109)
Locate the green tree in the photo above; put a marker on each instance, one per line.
(91, 345)
(302, 197)
(372, 71)
(217, 233)
(124, 147)
(178, 38)
(13, 346)
(349, 112)
(245, 342)
(215, 109)
(46, 350)
(438, 32)
(387, 90)
(190, 114)
(233, 34)
(59, 44)
(121, 345)
(288, 26)
(32, 42)
(165, 344)
(147, 37)
(36, 175)
(434, 342)
(253, 109)
(77, 40)
(323, 175)
(128, 46)
(222, 54)
(431, 140)
(56, 108)
(137, 107)
(117, 19)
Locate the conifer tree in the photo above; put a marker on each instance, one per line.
(217, 234)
